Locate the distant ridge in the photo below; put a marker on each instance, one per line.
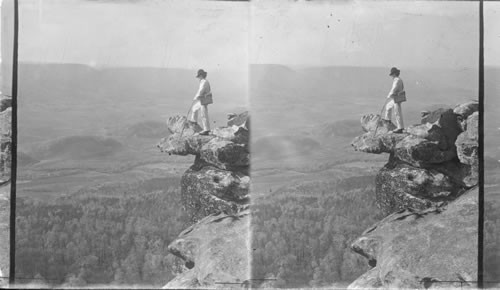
(75, 147)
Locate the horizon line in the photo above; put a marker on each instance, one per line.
(296, 66)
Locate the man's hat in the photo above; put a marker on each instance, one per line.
(201, 73)
(394, 71)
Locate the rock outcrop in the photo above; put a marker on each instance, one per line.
(5, 137)
(5, 171)
(4, 233)
(429, 164)
(422, 249)
(218, 181)
(216, 251)
(215, 194)
(428, 192)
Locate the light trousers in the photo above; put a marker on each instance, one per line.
(392, 107)
(202, 111)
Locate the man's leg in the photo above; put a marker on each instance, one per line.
(399, 116)
(193, 116)
(388, 110)
(204, 118)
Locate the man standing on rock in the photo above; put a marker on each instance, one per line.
(395, 97)
(201, 100)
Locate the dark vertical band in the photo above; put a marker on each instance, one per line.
(480, 266)
(12, 268)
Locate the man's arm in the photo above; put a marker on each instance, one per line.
(393, 89)
(202, 90)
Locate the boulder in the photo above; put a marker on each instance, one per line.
(5, 165)
(421, 152)
(430, 132)
(4, 232)
(180, 124)
(6, 121)
(447, 120)
(225, 154)
(184, 140)
(183, 144)
(239, 120)
(463, 111)
(236, 134)
(467, 142)
(439, 157)
(377, 143)
(5, 144)
(224, 184)
(460, 173)
(431, 142)
(216, 251)
(372, 122)
(202, 193)
(414, 150)
(399, 186)
(422, 249)
(466, 109)
(473, 126)
(467, 148)
(5, 102)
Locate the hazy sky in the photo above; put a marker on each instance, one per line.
(492, 33)
(366, 33)
(174, 33)
(212, 34)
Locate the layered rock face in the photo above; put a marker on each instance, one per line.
(218, 181)
(430, 164)
(4, 233)
(422, 249)
(5, 171)
(216, 251)
(5, 137)
(428, 189)
(215, 193)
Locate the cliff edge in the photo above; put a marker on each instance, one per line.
(214, 192)
(430, 164)
(428, 190)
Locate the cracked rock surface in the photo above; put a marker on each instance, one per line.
(430, 163)
(215, 194)
(428, 192)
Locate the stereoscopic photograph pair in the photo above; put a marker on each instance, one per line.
(249, 144)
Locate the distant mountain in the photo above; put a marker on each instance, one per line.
(344, 128)
(491, 163)
(146, 129)
(285, 98)
(374, 81)
(281, 146)
(75, 147)
(24, 159)
(71, 99)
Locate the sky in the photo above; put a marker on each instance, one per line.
(153, 33)
(227, 35)
(492, 33)
(366, 33)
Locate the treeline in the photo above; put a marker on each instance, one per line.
(110, 238)
(302, 238)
